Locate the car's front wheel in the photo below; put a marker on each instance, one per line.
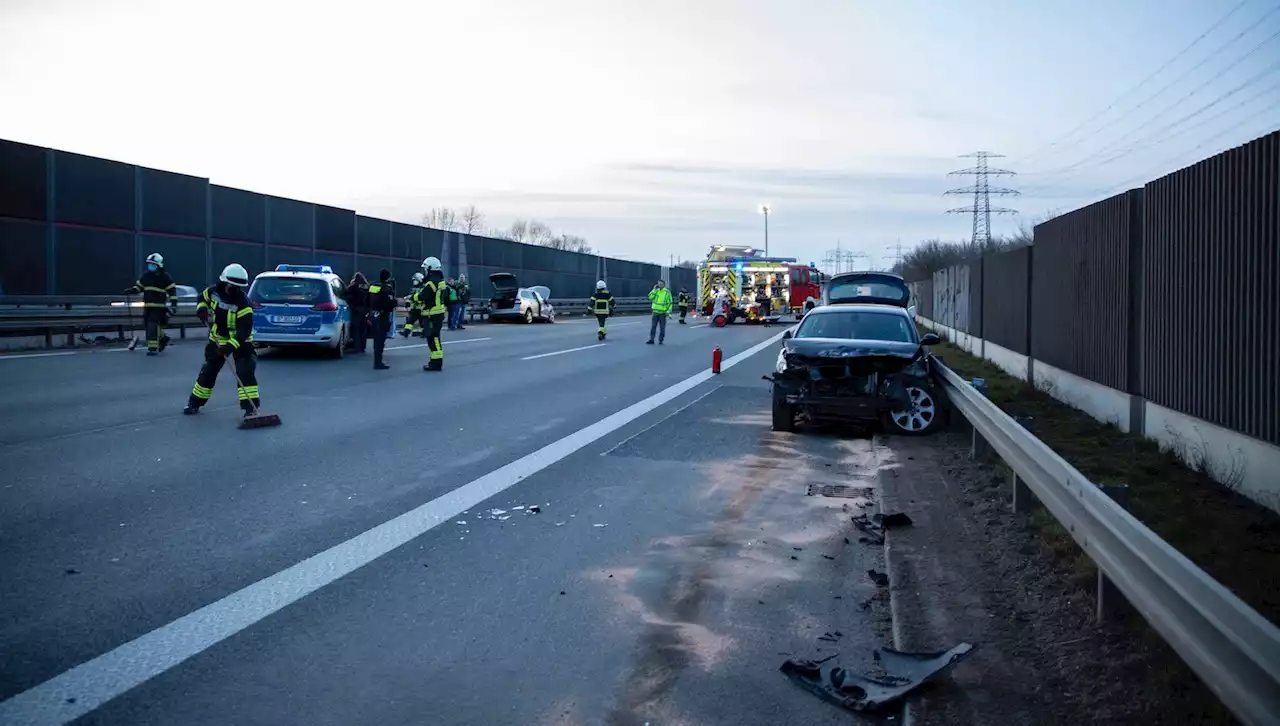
(784, 414)
(919, 417)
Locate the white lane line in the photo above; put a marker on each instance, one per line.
(35, 355)
(664, 419)
(562, 352)
(443, 342)
(84, 688)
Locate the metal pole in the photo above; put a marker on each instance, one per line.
(766, 231)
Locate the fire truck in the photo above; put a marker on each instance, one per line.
(747, 278)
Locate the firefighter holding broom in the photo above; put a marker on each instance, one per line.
(225, 308)
(159, 299)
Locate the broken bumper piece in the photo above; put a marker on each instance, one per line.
(905, 672)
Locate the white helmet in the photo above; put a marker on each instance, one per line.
(155, 259)
(600, 285)
(431, 263)
(234, 274)
(418, 277)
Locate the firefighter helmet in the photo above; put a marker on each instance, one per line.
(155, 259)
(235, 274)
(431, 263)
(600, 285)
(418, 278)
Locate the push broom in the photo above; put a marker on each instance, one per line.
(257, 419)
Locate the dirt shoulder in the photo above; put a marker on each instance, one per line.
(969, 569)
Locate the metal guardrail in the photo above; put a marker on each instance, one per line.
(1233, 649)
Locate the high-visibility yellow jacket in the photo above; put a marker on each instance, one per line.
(661, 299)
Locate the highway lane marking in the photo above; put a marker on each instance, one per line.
(562, 352)
(443, 342)
(36, 355)
(86, 687)
(664, 419)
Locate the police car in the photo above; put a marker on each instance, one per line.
(300, 305)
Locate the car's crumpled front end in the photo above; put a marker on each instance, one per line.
(848, 379)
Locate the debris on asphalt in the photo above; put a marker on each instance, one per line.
(497, 512)
(829, 557)
(72, 571)
(534, 509)
(460, 522)
(798, 549)
(794, 557)
(600, 525)
(559, 524)
(904, 672)
(873, 533)
(878, 578)
(846, 541)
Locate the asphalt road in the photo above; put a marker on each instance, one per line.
(368, 562)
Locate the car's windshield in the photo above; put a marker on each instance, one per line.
(857, 325)
(301, 290)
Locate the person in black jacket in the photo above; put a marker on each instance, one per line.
(358, 299)
(225, 308)
(159, 297)
(682, 302)
(382, 305)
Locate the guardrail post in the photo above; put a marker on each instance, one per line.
(978, 446)
(1112, 605)
(1023, 500)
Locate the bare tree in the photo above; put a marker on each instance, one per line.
(441, 218)
(569, 243)
(518, 231)
(472, 221)
(540, 234)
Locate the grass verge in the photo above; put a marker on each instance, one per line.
(1235, 540)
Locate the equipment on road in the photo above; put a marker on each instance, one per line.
(742, 275)
(254, 419)
(715, 360)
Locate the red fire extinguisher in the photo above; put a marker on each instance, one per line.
(715, 360)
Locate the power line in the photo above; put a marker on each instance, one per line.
(1140, 84)
(1113, 145)
(1145, 176)
(982, 191)
(1116, 155)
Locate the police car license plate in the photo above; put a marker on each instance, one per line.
(288, 319)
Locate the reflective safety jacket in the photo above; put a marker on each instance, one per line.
(683, 298)
(382, 297)
(661, 299)
(157, 289)
(602, 302)
(411, 301)
(227, 312)
(431, 297)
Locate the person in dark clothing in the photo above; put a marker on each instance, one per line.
(358, 299)
(431, 299)
(682, 302)
(602, 305)
(382, 304)
(225, 308)
(159, 298)
(765, 304)
(464, 299)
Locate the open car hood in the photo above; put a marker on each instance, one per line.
(864, 356)
(504, 283)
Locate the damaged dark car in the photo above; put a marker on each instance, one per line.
(860, 363)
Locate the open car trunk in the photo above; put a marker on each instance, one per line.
(506, 289)
(876, 288)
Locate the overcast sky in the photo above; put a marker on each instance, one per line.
(652, 128)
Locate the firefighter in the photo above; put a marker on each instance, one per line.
(683, 303)
(382, 305)
(413, 321)
(225, 308)
(432, 297)
(159, 299)
(602, 305)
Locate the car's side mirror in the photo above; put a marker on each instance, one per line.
(930, 339)
(786, 335)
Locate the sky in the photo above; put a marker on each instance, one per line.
(654, 129)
